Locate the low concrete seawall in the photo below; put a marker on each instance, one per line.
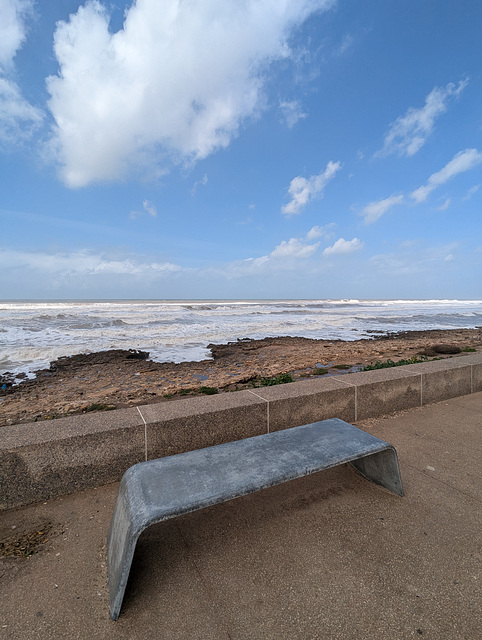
(45, 459)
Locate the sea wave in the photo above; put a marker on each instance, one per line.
(35, 333)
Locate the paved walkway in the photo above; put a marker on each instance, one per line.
(330, 556)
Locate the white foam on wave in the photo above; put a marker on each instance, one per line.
(36, 333)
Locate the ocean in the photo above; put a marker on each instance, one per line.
(33, 333)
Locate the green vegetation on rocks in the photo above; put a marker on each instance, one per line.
(390, 363)
(208, 391)
(282, 378)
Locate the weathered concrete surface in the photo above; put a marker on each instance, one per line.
(42, 460)
(298, 403)
(329, 556)
(158, 490)
(196, 423)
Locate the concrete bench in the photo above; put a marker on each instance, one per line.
(154, 491)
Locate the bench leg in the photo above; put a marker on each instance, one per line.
(121, 544)
(382, 469)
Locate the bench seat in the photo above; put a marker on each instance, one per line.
(154, 491)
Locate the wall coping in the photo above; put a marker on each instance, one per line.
(44, 459)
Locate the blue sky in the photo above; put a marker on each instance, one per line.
(241, 149)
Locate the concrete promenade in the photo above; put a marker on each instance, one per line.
(330, 556)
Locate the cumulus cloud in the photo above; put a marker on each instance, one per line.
(462, 161)
(302, 190)
(318, 232)
(173, 85)
(294, 248)
(284, 257)
(292, 112)
(344, 247)
(375, 210)
(18, 118)
(408, 133)
(12, 28)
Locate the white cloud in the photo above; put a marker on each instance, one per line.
(87, 273)
(343, 246)
(374, 210)
(284, 257)
(422, 193)
(471, 192)
(18, 118)
(292, 112)
(199, 183)
(149, 209)
(408, 133)
(462, 161)
(302, 190)
(445, 205)
(294, 248)
(346, 44)
(82, 263)
(317, 231)
(12, 28)
(408, 243)
(173, 85)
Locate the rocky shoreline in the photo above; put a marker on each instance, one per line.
(119, 378)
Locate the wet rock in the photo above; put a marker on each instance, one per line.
(441, 349)
(136, 354)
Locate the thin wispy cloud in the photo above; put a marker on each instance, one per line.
(199, 183)
(148, 209)
(375, 210)
(472, 191)
(445, 205)
(292, 112)
(171, 86)
(408, 133)
(413, 259)
(83, 263)
(461, 162)
(346, 44)
(303, 190)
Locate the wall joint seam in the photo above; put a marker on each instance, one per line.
(267, 407)
(145, 433)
